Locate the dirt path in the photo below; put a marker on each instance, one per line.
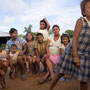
(32, 84)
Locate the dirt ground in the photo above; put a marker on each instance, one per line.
(32, 84)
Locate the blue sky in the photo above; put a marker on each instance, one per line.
(21, 13)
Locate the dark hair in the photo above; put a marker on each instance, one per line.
(13, 45)
(38, 34)
(64, 35)
(44, 22)
(55, 26)
(31, 34)
(12, 30)
(83, 4)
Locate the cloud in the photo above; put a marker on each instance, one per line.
(13, 5)
(25, 12)
(7, 20)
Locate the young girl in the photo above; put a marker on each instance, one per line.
(75, 60)
(44, 28)
(54, 50)
(13, 61)
(31, 52)
(65, 40)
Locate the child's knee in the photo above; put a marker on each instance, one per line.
(5, 64)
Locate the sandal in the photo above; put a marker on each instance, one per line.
(24, 77)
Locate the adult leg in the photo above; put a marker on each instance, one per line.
(50, 66)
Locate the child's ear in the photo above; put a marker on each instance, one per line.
(83, 13)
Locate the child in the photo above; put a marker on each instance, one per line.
(3, 68)
(65, 40)
(31, 51)
(13, 60)
(20, 43)
(40, 50)
(75, 60)
(44, 28)
(54, 50)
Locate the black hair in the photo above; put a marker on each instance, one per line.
(65, 35)
(13, 45)
(12, 30)
(83, 4)
(31, 34)
(55, 26)
(38, 34)
(44, 22)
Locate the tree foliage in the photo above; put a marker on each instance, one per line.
(70, 33)
(28, 29)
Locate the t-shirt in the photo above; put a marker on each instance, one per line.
(44, 32)
(54, 46)
(37, 46)
(19, 43)
(13, 57)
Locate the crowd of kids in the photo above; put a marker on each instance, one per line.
(59, 56)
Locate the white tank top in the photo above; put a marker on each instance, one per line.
(55, 46)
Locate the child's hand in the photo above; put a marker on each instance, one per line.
(44, 18)
(20, 53)
(77, 61)
(38, 58)
(47, 55)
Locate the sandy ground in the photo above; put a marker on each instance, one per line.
(32, 84)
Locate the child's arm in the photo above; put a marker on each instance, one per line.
(77, 31)
(37, 54)
(62, 51)
(48, 25)
(24, 50)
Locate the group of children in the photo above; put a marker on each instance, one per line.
(68, 58)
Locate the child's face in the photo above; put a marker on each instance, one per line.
(14, 35)
(87, 9)
(56, 30)
(42, 25)
(13, 49)
(29, 36)
(65, 40)
(40, 38)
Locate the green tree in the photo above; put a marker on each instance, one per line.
(70, 33)
(50, 32)
(28, 29)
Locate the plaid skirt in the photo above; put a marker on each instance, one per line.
(67, 66)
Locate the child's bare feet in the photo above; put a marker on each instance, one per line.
(30, 75)
(42, 80)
